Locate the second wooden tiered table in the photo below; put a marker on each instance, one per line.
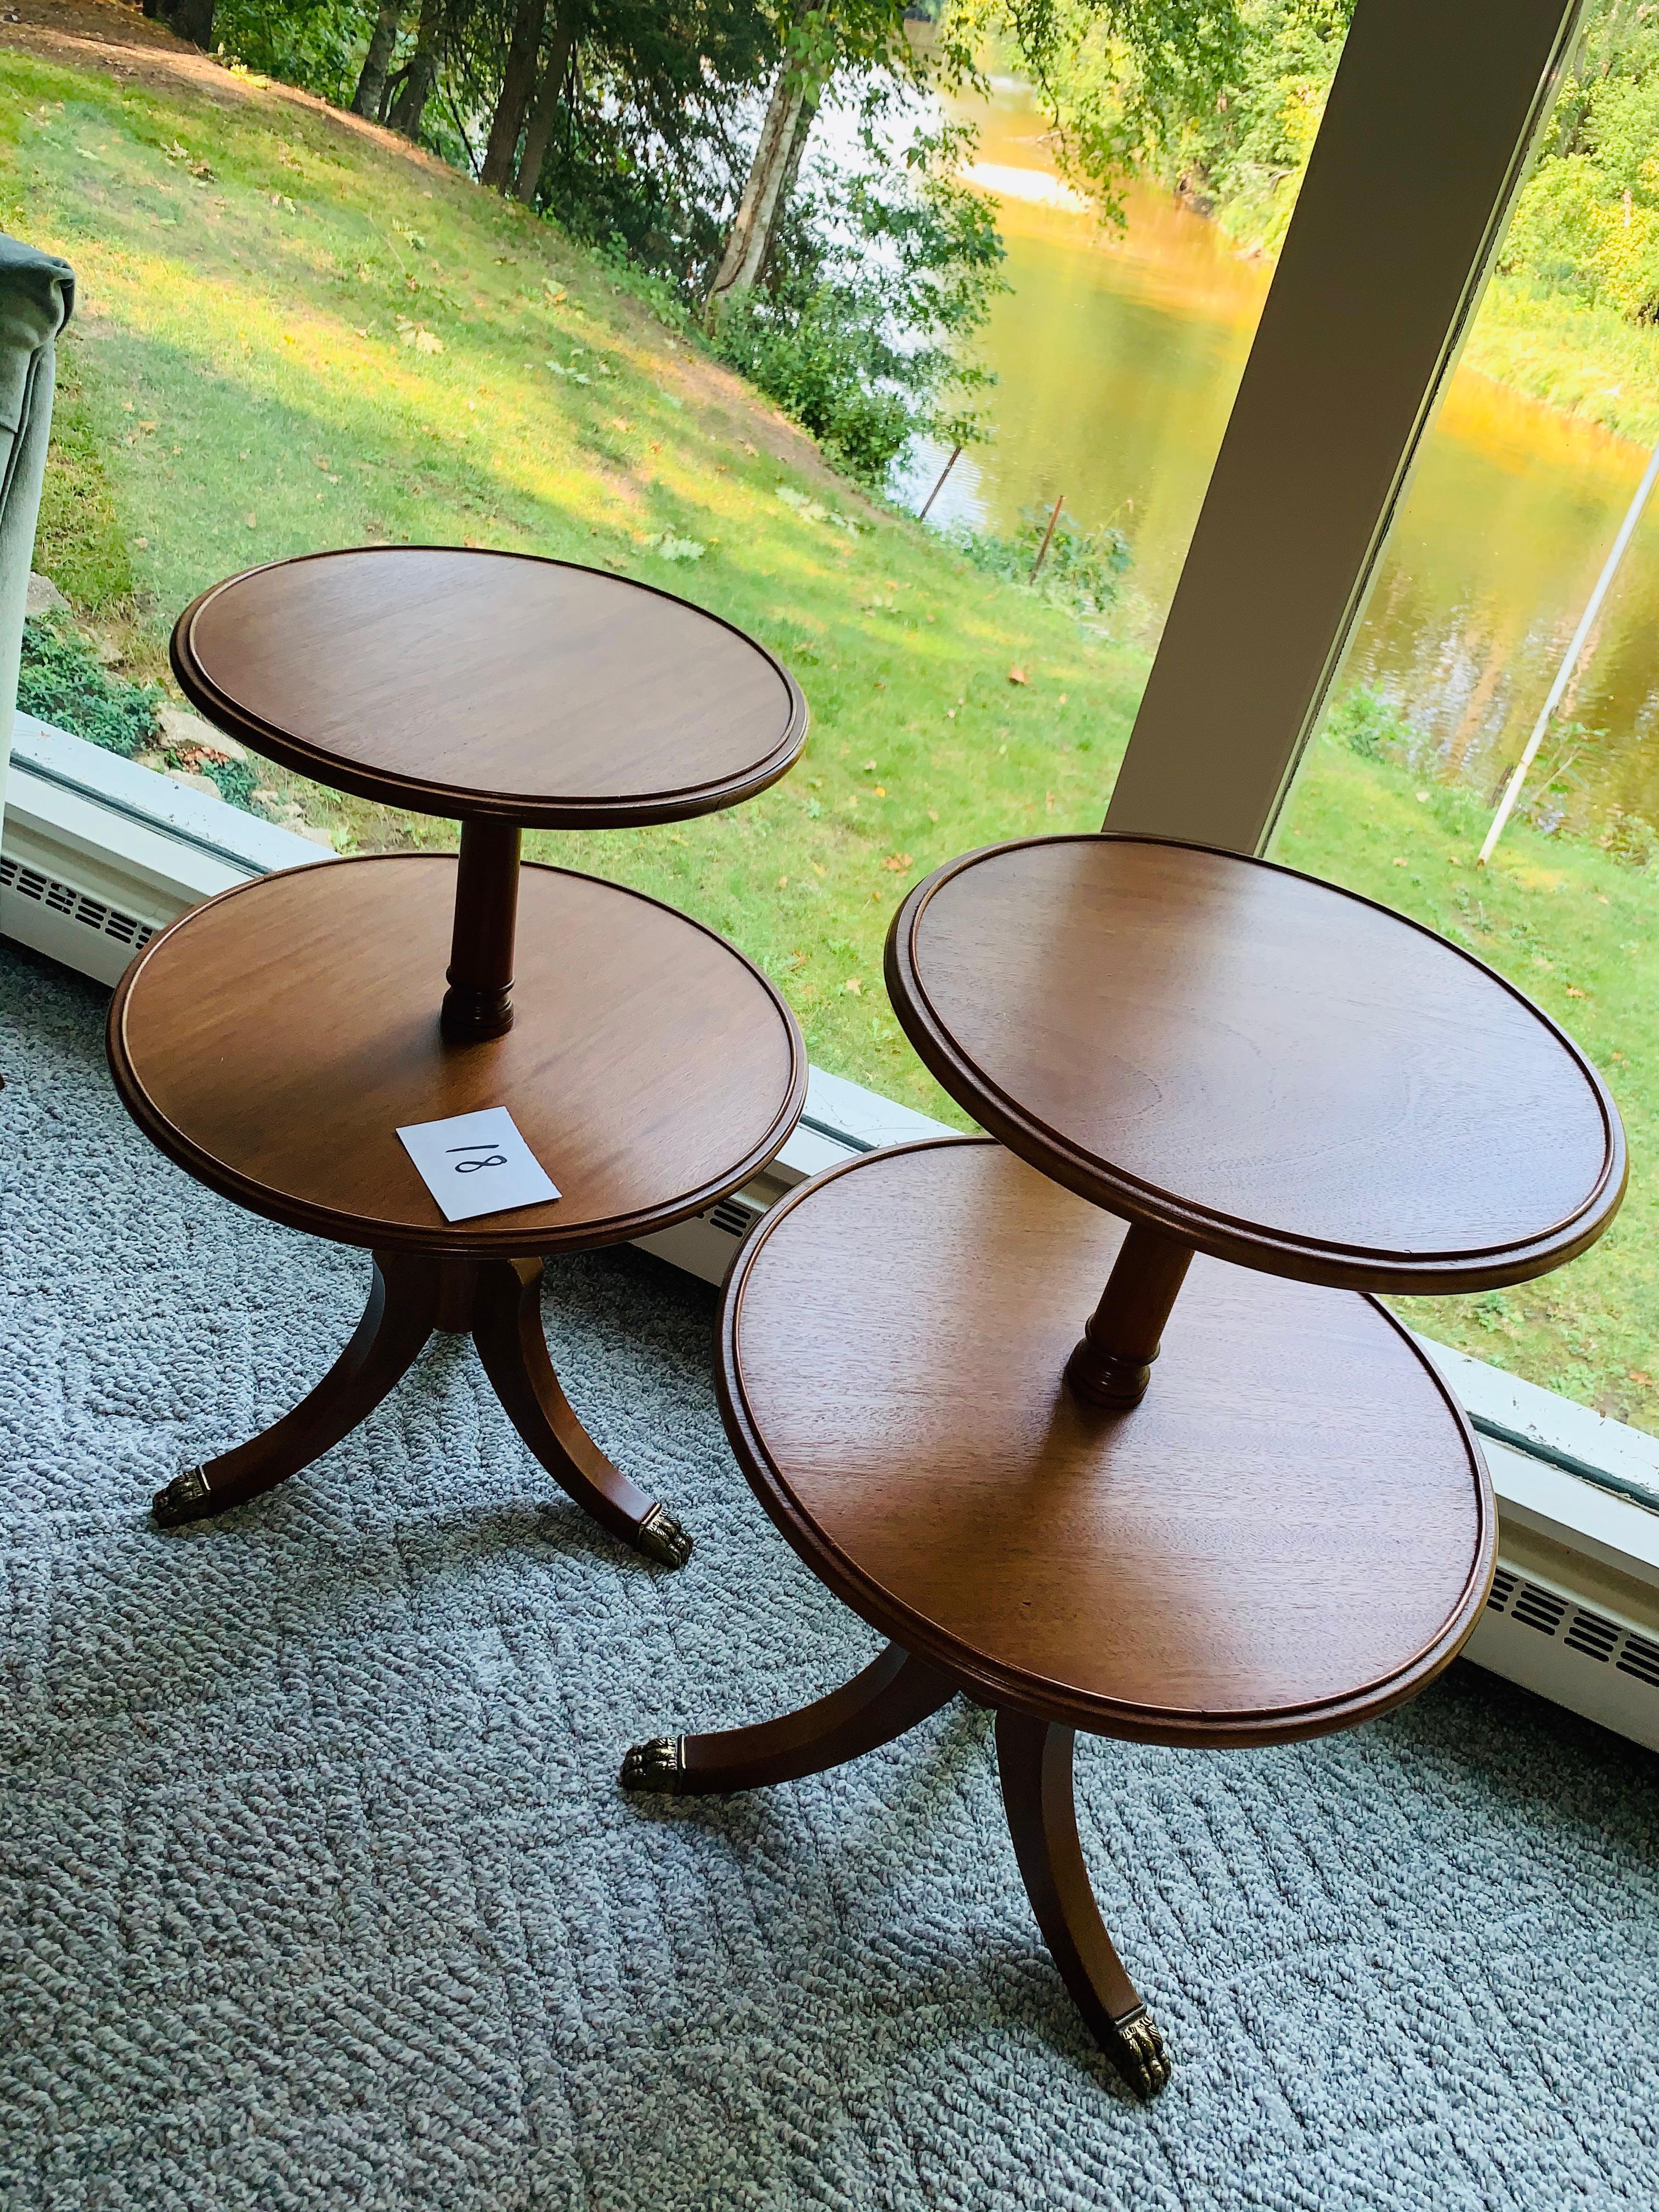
(1237, 1098)
(274, 1042)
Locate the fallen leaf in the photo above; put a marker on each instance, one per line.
(853, 986)
(1402, 863)
(896, 863)
(252, 521)
(783, 882)
(1572, 992)
(1015, 675)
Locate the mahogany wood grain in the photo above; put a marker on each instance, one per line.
(890, 1695)
(481, 684)
(1033, 1762)
(1278, 1071)
(399, 1317)
(1294, 1531)
(1112, 1362)
(274, 1041)
(506, 1329)
(479, 1000)
(498, 1303)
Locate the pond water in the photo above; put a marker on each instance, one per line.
(1118, 354)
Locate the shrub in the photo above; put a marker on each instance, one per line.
(1081, 569)
(61, 682)
(1371, 726)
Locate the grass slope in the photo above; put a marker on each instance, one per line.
(248, 378)
(252, 374)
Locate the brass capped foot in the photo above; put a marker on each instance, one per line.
(1142, 2060)
(660, 1537)
(186, 1497)
(657, 1765)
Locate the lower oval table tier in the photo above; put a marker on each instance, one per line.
(274, 1041)
(1294, 1530)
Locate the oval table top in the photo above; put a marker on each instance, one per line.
(274, 1041)
(1279, 1071)
(485, 685)
(1292, 1532)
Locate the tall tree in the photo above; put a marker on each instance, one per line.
(189, 19)
(512, 102)
(545, 107)
(818, 39)
(420, 72)
(377, 61)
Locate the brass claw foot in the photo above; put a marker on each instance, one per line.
(657, 1765)
(660, 1537)
(186, 1497)
(1142, 2060)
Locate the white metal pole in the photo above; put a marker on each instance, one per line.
(1570, 659)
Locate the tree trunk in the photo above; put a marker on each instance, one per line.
(803, 121)
(751, 235)
(518, 83)
(422, 73)
(189, 19)
(371, 85)
(544, 108)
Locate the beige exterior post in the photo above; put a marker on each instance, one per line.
(1427, 135)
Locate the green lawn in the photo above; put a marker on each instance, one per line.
(294, 335)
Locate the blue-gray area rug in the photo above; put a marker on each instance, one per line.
(317, 1889)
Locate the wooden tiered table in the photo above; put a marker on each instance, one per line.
(1215, 1081)
(274, 1041)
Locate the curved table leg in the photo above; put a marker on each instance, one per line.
(892, 1695)
(506, 1327)
(1034, 1759)
(395, 1324)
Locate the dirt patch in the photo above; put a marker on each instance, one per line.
(115, 37)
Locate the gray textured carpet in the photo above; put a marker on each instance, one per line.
(318, 1890)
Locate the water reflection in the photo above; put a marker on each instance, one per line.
(1119, 353)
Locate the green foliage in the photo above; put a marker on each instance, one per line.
(1123, 81)
(1588, 223)
(1586, 227)
(1371, 726)
(61, 682)
(1080, 571)
(1629, 839)
(859, 332)
(315, 43)
(648, 150)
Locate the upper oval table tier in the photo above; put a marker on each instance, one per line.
(274, 1041)
(1292, 1531)
(1277, 1071)
(484, 686)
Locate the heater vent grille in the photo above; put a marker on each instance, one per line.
(76, 905)
(1539, 1608)
(734, 1215)
(1591, 1635)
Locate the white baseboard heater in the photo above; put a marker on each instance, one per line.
(96, 854)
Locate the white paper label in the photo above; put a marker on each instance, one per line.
(475, 1164)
